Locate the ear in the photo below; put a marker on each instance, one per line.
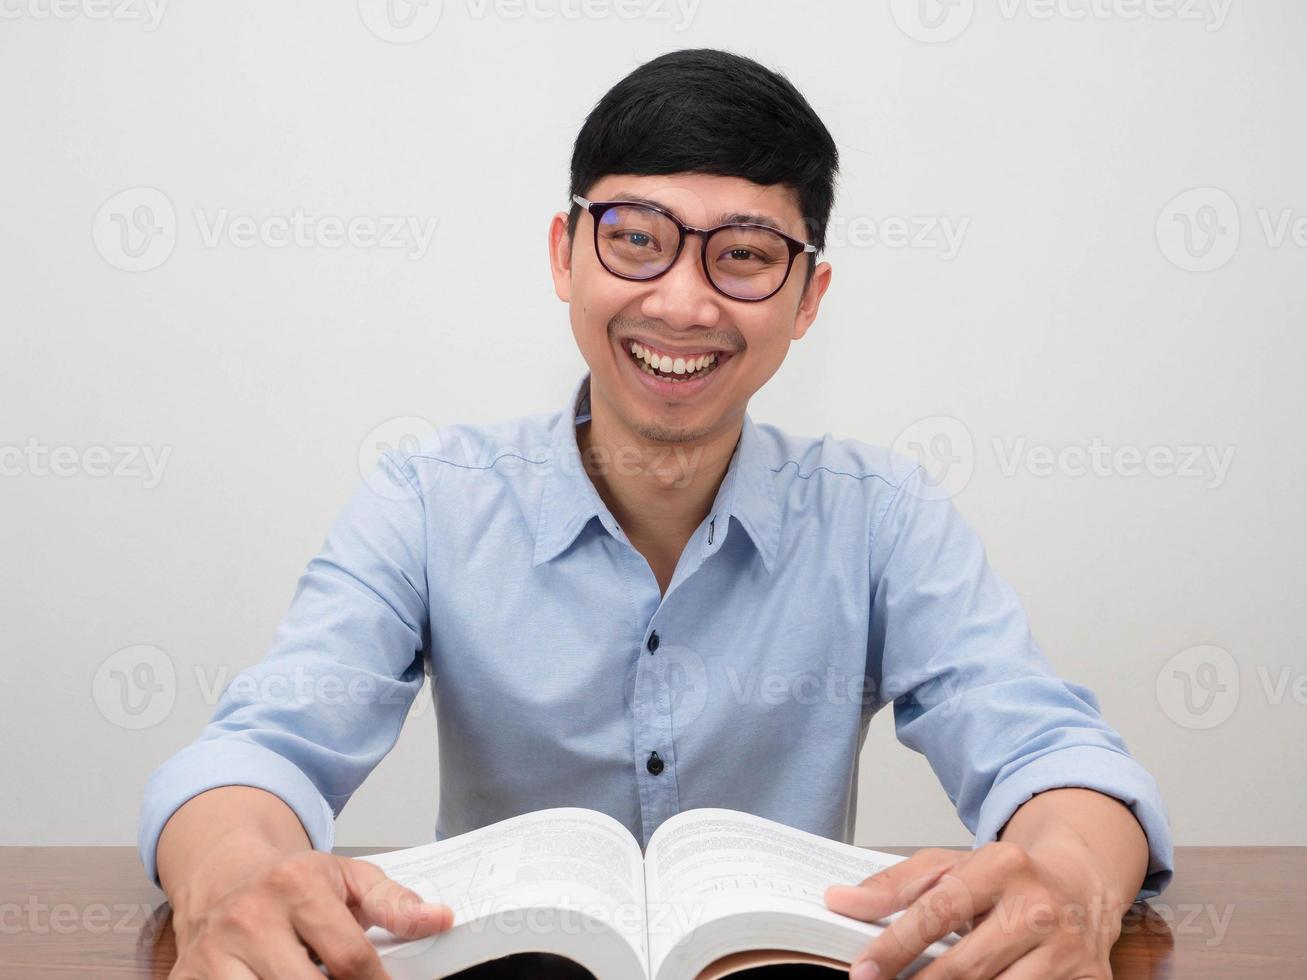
(810, 300)
(560, 257)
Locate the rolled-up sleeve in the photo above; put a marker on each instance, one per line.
(311, 720)
(950, 646)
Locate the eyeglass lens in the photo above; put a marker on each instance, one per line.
(639, 243)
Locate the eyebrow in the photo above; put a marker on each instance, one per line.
(732, 218)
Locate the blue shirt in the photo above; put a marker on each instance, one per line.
(830, 578)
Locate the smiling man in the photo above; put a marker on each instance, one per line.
(680, 325)
(647, 602)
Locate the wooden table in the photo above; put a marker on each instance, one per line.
(1231, 913)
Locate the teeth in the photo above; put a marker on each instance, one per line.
(682, 366)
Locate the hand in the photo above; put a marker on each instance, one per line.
(297, 906)
(1022, 915)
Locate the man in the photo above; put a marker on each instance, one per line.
(647, 602)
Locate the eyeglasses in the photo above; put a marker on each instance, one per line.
(748, 262)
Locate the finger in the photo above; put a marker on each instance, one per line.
(231, 970)
(991, 947)
(228, 969)
(281, 957)
(950, 904)
(894, 888)
(1042, 964)
(382, 901)
(330, 929)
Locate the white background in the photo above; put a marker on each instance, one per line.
(1074, 311)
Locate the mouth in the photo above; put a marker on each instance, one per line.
(674, 374)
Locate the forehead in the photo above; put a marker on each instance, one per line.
(707, 200)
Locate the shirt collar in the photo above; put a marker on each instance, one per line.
(570, 501)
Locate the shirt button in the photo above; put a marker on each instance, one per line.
(653, 642)
(655, 764)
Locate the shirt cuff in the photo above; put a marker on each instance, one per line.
(1089, 767)
(210, 763)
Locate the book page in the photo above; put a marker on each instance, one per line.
(708, 863)
(759, 958)
(577, 860)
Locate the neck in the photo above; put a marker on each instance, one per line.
(655, 490)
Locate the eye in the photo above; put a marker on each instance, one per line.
(632, 240)
(746, 256)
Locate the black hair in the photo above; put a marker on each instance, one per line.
(700, 110)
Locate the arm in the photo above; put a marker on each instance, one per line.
(220, 837)
(237, 827)
(1097, 831)
(950, 646)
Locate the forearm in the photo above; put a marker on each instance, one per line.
(250, 899)
(219, 838)
(1094, 830)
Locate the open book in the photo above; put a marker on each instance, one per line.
(715, 893)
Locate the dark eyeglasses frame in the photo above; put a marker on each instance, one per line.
(598, 209)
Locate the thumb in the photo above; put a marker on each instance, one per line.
(382, 901)
(892, 888)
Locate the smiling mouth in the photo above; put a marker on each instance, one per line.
(667, 367)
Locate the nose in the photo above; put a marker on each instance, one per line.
(683, 296)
